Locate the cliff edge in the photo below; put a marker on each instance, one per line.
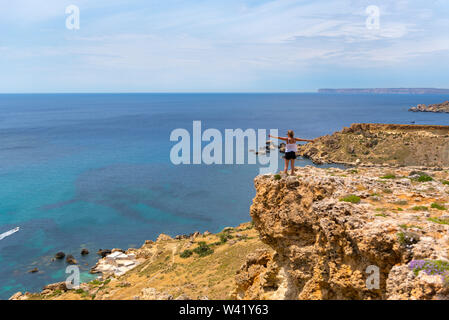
(332, 229)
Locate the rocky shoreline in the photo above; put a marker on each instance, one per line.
(438, 108)
(372, 144)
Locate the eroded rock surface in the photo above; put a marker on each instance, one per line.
(326, 247)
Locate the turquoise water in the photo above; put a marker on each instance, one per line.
(93, 171)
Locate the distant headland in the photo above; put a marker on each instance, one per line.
(388, 90)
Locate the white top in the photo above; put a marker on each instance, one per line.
(291, 147)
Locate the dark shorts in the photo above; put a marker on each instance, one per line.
(291, 155)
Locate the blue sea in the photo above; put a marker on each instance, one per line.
(93, 170)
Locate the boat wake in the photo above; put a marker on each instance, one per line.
(8, 233)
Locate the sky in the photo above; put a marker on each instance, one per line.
(222, 46)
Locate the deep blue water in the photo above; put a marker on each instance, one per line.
(93, 170)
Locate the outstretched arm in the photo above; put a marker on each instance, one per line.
(280, 138)
(297, 139)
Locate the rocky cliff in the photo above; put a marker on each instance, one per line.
(332, 229)
(410, 145)
(438, 108)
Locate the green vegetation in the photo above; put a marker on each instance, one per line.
(224, 237)
(438, 206)
(423, 178)
(203, 249)
(420, 208)
(401, 237)
(84, 294)
(437, 267)
(186, 253)
(407, 238)
(407, 226)
(351, 198)
(388, 176)
(389, 191)
(95, 282)
(381, 215)
(445, 182)
(399, 209)
(277, 177)
(439, 221)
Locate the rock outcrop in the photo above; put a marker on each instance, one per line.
(438, 108)
(335, 230)
(117, 263)
(383, 144)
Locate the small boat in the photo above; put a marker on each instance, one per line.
(8, 233)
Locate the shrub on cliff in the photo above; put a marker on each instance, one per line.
(438, 206)
(420, 208)
(203, 249)
(351, 198)
(186, 253)
(439, 221)
(423, 178)
(224, 237)
(388, 176)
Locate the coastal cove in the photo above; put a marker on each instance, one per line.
(93, 171)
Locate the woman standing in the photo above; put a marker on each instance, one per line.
(290, 149)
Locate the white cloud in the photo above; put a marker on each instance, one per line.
(217, 43)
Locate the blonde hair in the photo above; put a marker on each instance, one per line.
(290, 133)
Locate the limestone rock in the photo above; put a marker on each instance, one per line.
(325, 246)
(163, 237)
(153, 294)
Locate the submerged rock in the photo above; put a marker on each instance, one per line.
(60, 255)
(34, 270)
(71, 259)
